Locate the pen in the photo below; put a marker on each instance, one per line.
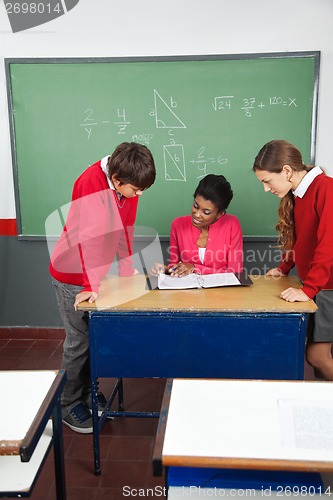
(174, 268)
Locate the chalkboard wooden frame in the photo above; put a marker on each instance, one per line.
(313, 55)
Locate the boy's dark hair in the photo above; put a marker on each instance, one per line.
(216, 189)
(132, 163)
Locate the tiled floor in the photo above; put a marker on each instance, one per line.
(126, 443)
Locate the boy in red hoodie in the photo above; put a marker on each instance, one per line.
(99, 227)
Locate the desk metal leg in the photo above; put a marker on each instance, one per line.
(98, 422)
(120, 394)
(96, 427)
(58, 450)
(301, 347)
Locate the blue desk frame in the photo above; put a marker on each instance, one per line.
(174, 344)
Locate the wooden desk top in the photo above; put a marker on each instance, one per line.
(131, 294)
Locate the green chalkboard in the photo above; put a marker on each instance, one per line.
(198, 115)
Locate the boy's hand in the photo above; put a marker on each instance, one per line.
(83, 296)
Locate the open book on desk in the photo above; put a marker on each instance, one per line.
(194, 280)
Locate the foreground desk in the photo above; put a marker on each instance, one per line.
(283, 429)
(228, 332)
(28, 400)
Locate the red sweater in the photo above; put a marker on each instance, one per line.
(224, 251)
(98, 228)
(313, 250)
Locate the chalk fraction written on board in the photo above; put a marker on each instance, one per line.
(220, 103)
(197, 115)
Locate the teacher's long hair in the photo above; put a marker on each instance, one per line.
(272, 157)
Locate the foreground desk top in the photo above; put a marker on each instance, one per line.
(263, 296)
(249, 424)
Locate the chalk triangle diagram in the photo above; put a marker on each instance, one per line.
(174, 162)
(165, 117)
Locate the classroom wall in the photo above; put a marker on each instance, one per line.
(147, 28)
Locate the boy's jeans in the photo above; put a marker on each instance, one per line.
(75, 359)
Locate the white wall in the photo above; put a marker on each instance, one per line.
(107, 28)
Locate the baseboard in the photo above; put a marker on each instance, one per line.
(33, 333)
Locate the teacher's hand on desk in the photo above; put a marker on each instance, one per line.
(177, 270)
(83, 296)
(181, 269)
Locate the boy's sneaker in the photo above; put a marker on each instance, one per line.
(100, 399)
(78, 417)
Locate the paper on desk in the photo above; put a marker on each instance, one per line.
(195, 280)
(219, 279)
(306, 424)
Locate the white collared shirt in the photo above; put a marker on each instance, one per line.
(202, 252)
(306, 181)
(104, 167)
